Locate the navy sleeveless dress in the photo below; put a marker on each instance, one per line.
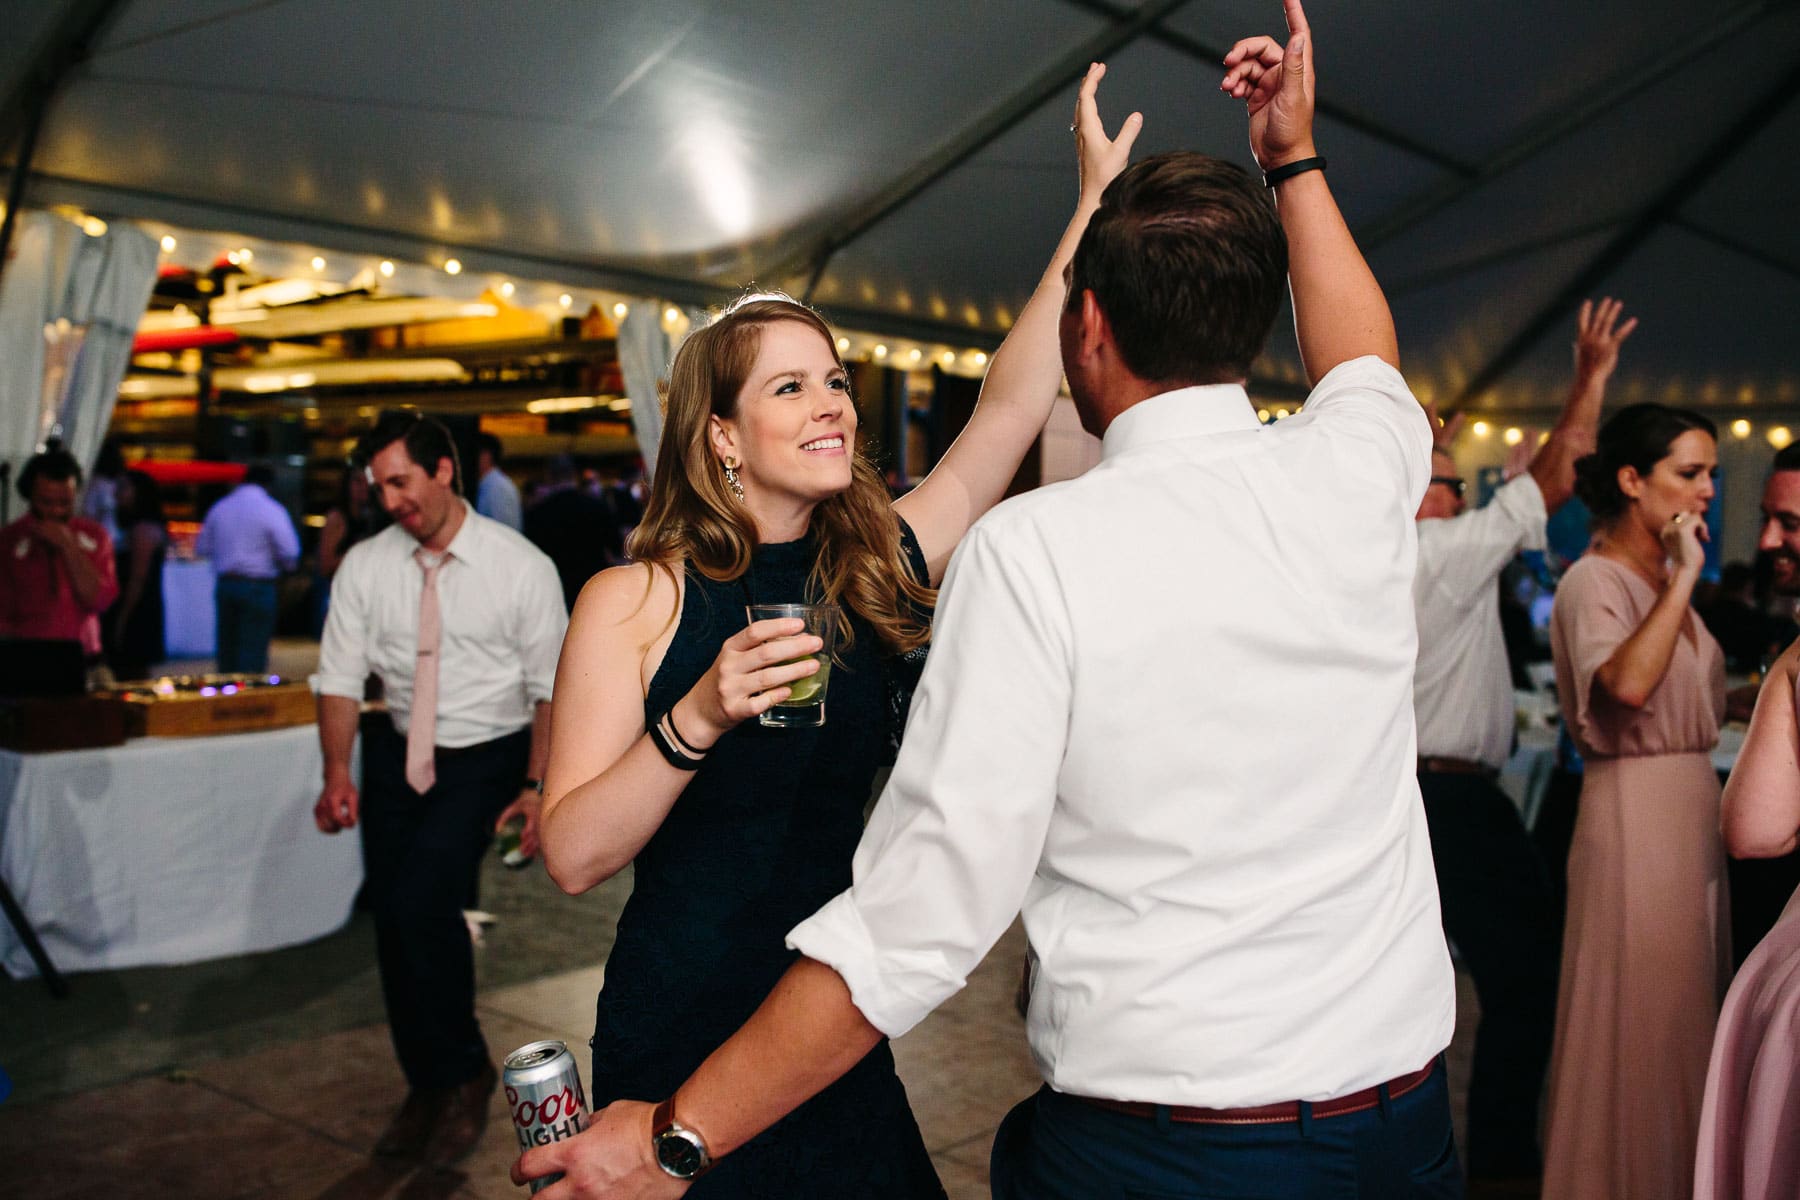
(759, 840)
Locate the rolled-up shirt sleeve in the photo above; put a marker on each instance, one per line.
(344, 647)
(542, 621)
(959, 831)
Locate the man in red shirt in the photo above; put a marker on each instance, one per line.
(57, 573)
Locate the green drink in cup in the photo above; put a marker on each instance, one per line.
(805, 705)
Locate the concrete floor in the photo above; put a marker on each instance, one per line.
(270, 1076)
(297, 1119)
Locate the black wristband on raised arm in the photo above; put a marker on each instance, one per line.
(1299, 166)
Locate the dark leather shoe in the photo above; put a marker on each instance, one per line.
(407, 1134)
(463, 1121)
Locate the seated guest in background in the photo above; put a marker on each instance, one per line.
(1168, 710)
(496, 495)
(1646, 945)
(100, 498)
(135, 624)
(57, 573)
(1750, 1124)
(461, 619)
(250, 541)
(1499, 909)
(576, 528)
(354, 517)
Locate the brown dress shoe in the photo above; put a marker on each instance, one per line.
(463, 1121)
(407, 1133)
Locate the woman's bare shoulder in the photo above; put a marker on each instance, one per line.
(636, 599)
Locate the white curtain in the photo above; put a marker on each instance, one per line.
(69, 308)
(646, 348)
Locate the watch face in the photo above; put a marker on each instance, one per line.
(679, 1156)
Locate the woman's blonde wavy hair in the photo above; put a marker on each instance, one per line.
(692, 515)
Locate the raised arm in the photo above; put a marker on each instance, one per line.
(1598, 336)
(1339, 310)
(1761, 813)
(1026, 374)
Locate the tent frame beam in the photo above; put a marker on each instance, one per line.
(1560, 125)
(1661, 209)
(1043, 87)
(65, 46)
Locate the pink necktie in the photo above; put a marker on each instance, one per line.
(421, 733)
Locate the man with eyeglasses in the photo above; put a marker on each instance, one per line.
(1496, 896)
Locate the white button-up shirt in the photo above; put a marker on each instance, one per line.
(1168, 710)
(1462, 690)
(503, 624)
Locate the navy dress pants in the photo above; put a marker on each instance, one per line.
(245, 621)
(1500, 911)
(421, 854)
(1055, 1147)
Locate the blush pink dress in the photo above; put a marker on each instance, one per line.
(1646, 945)
(1750, 1127)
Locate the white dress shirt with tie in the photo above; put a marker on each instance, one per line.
(1168, 711)
(1462, 688)
(503, 622)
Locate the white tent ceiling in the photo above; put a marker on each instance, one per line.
(909, 162)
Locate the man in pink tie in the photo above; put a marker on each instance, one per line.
(462, 620)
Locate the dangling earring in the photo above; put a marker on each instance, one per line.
(731, 479)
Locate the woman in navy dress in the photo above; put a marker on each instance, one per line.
(737, 832)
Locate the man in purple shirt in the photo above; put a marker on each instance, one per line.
(250, 541)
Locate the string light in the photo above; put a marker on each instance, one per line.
(619, 310)
(566, 300)
(507, 289)
(387, 269)
(168, 243)
(1513, 436)
(671, 314)
(981, 358)
(1779, 436)
(843, 344)
(880, 350)
(318, 264)
(1740, 428)
(1480, 429)
(453, 266)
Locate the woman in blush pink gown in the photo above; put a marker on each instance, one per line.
(1750, 1126)
(1646, 949)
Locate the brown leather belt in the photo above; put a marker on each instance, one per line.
(1439, 765)
(1268, 1114)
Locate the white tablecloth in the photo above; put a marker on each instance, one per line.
(171, 850)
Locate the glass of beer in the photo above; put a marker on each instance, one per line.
(805, 704)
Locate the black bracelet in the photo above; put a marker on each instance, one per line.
(664, 746)
(1299, 166)
(675, 731)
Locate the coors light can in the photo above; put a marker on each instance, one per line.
(543, 1092)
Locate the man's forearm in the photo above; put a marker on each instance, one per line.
(338, 717)
(1340, 312)
(1553, 466)
(84, 577)
(803, 1037)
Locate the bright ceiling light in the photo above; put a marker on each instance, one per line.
(619, 310)
(716, 162)
(671, 314)
(507, 289)
(387, 269)
(168, 243)
(566, 300)
(562, 404)
(318, 263)
(453, 266)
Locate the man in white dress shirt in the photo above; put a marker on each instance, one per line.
(1498, 905)
(1168, 710)
(462, 620)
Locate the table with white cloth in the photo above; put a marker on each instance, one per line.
(171, 850)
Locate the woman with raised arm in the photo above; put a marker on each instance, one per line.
(1749, 1139)
(737, 832)
(1646, 947)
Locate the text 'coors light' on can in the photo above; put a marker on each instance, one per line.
(543, 1091)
